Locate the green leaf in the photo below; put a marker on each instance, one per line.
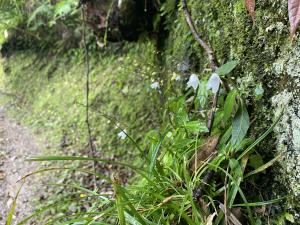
(41, 10)
(240, 126)
(256, 204)
(63, 7)
(289, 217)
(196, 127)
(181, 116)
(229, 105)
(154, 153)
(227, 68)
(265, 166)
(13, 207)
(236, 168)
(119, 202)
(262, 137)
(255, 161)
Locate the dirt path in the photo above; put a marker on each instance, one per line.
(16, 143)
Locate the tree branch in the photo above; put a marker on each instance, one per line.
(209, 52)
(87, 120)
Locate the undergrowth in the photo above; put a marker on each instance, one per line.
(183, 175)
(157, 161)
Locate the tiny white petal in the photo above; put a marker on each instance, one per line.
(6, 34)
(120, 3)
(155, 85)
(193, 81)
(122, 135)
(178, 78)
(214, 83)
(169, 134)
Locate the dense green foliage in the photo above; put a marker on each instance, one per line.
(140, 92)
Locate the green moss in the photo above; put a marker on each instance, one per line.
(51, 92)
(120, 84)
(267, 57)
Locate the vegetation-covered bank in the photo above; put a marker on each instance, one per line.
(48, 93)
(51, 94)
(159, 84)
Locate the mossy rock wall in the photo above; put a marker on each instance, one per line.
(269, 59)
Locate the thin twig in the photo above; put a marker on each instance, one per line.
(204, 45)
(87, 64)
(211, 116)
(209, 52)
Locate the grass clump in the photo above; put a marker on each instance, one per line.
(184, 174)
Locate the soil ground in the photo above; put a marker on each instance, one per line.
(17, 143)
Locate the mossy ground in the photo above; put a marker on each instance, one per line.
(52, 90)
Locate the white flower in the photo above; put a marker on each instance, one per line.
(193, 81)
(6, 34)
(214, 83)
(120, 3)
(178, 78)
(122, 135)
(155, 85)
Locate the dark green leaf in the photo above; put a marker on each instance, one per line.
(240, 126)
(154, 153)
(227, 68)
(229, 105)
(236, 169)
(255, 161)
(196, 127)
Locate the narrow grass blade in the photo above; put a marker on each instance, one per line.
(265, 166)
(119, 202)
(13, 207)
(256, 204)
(66, 168)
(262, 137)
(53, 205)
(138, 170)
(239, 190)
(155, 152)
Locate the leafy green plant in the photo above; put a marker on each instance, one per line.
(183, 178)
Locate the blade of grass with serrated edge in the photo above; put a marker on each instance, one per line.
(55, 221)
(13, 207)
(44, 209)
(75, 187)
